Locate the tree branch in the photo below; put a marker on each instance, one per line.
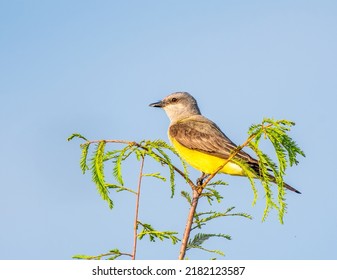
(135, 225)
(190, 217)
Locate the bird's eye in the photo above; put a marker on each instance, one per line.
(174, 99)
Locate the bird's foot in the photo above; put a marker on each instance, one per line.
(201, 179)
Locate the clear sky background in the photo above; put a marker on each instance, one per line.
(94, 66)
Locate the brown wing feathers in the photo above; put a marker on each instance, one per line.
(206, 137)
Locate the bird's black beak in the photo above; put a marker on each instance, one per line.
(158, 104)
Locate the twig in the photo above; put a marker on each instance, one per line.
(108, 254)
(135, 226)
(186, 236)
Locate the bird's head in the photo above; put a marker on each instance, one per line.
(178, 105)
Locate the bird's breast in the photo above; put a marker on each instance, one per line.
(205, 162)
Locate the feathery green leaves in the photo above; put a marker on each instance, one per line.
(84, 155)
(76, 135)
(286, 151)
(212, 194)
(97, 169)
(117, 169)
(187, 196)
(111, 255)
(171, 169)
(119, 188)
(251, 175)
(200, 219)
(154, 175)
(155, 149)
(148, 230)
(200, 238)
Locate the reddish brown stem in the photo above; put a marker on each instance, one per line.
(186, 237)
(135, 225)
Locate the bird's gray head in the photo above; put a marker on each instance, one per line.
(178, 105)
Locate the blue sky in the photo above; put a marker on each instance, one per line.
(94, 66)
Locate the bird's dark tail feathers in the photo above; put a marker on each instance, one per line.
(255, 166)
(285, 185)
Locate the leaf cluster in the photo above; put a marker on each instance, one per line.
(111, 255)
(286, 151)
(156, 150)
(148, 230)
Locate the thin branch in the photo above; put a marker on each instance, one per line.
(113, 141)
(107, 255)
(135, 225)
(120, 188)
(186, 236)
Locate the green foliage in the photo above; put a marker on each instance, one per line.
(97, 169)
(117, 170)
(211, 193)
(276, 131)
(84, 147)
(153, 149)
(163, 158)
(118, 188)
(155, 175)
(251, 175)
(200, 238)
(187, 196)
(76, 135)
(218, 183)
(84, 155)
(200, 219)
(286, 152)
(111, 255)
(148, 230)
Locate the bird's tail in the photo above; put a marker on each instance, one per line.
(255, 166)
(272, 178)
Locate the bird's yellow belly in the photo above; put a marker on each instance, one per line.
(204, 162)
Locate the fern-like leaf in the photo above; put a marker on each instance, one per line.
(200, 219)
(120, 188)
(200, 238)
(171, 169)
(154, 175)
(187, 196)
(153, 234)
(97, 169)
(211, 194)
(84, 155)
(76, 135)
(117, 169)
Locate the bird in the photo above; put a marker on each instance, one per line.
(200, 142)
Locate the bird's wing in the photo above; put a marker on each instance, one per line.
(205, 136)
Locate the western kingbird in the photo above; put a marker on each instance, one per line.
(199, 141)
